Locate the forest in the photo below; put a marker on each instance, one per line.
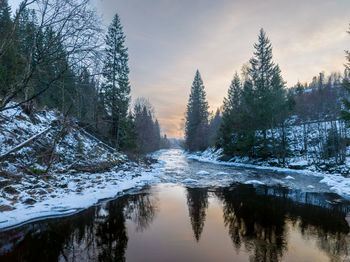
(55, 55)
(263, 120)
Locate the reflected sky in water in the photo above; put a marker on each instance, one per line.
(173, 223)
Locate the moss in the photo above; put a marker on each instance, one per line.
(36, 170)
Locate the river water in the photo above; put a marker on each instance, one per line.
(199, 212)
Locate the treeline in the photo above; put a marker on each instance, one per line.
(54, 54)
(260, 116)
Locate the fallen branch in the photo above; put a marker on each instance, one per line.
(25, 143)
(97, 140)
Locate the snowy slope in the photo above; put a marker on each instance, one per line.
(83, 170)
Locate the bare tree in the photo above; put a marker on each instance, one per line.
(68, 33)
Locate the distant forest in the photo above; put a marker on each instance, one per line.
(54, 54)
(263, 119)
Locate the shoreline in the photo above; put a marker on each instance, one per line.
(337, 182)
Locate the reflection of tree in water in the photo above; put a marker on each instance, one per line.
(197, 201)
(142, 210)
(256, 222)
(111, 234)
(257, 218)
(97, 234)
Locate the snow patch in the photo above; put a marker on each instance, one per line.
(110, 185)
(250, 182)
(338, 183)
(289, 177)
(189, 181)
(202, 173)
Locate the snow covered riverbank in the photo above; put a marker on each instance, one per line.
(71, 194)
(337, 182)
(49, 166)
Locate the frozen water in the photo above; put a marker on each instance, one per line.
(253, 182)
(289, 177)
(202, 173)
(181, 165)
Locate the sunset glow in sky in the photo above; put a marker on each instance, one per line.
(168, 40)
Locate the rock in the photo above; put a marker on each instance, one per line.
(6, 208)
(299, 165)
(63, 185)
(10, 190)
(29, 201)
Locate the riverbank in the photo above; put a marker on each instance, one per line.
(338, 183)
(37, 198)
(49, 166)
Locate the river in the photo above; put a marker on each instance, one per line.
(198, 212)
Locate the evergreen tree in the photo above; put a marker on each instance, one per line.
(197, 114)
(259, 106)
(345, 113)
(230, 116)
(157, 136)
(299, 88)
(268, 95)
(147, 128)
(214, 126)
(116, 87)
(261, 72)
(8, 62)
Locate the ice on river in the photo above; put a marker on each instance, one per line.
(289, 177)
(207, 171)
(202, 173)
(174, 166)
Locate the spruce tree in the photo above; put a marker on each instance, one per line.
(269, 94)
(261, 72)
(196, 129)
(345, 113)
(8, 62)
(255, 107)
(116, 87)
(230, 116)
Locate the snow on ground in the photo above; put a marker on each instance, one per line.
(80, 191)
(84, 170)
(336, 182)
(250, 182)
(202, 173)
(289, 177)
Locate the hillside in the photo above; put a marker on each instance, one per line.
(50, 166)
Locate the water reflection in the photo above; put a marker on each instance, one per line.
(259, 219)
(97, 234)
(263, 224)
(197, 201)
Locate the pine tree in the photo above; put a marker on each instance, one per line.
(261, 72)
(197, 114)
(269, 93)
(8, 63)
(214, 127)
(256, 107)
(230, 116)
(157, 136)
(345, 113)
(146, 126)
(116, 87)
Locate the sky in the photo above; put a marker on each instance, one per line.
(169, 40)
